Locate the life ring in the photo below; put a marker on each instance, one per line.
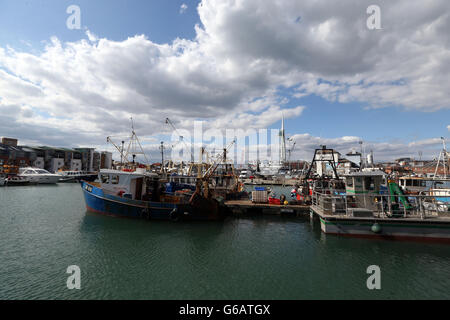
(174, 215)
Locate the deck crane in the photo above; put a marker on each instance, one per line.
(291, 149)
(204, 179)
(181, 138)
(219, 159)
(121, 150)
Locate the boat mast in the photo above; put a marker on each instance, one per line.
(282, 142)
(445, 160)
(133, 145)
(181, 139)
(162, 156)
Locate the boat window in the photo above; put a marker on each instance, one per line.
(40, 171)
(115, 179)
(28, 172)
(369, 183)
(349, 182)
(419, 183)
(409, 183)
(105, 178)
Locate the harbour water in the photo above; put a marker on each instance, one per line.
(45, 229)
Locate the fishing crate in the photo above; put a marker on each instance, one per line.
(260, 197)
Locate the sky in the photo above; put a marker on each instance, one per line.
(233, 64)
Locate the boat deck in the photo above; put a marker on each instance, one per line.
(379, 216)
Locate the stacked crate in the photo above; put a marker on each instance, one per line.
(260, 196)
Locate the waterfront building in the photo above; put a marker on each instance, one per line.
(14, 155)
(9, 142)
(53, 159)
(87, 158)
(106, 160)
(96, 161)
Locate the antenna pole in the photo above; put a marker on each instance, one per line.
(121, 154)
(162, 155)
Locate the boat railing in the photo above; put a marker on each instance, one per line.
(423, 205)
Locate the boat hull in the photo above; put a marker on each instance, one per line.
(99, 202)
(42, 179)
(76, 179)
(392, 229)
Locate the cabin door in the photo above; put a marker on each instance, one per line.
(139, 182)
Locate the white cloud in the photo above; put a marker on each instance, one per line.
(230, 74)
(404, 64)
(183, 8)
(92, 37)
(383, 151)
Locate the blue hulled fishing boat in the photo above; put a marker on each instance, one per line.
(142, 195)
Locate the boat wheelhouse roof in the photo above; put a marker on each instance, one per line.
(376, 173)
(31, 170)
(414, 178)
(424, 178)
(128, 173)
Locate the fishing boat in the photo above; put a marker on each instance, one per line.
(365, 211)
(414, 185)
(134, 192)
(38, 176)
(141, 195)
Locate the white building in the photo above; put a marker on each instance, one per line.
(106, 160)
(39, 163)
(75, 165)
(56, 164)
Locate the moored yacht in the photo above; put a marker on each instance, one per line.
(39, 176)
(15, 180)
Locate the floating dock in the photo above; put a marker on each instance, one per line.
(270, 182)
(246, 207)
(402, 228)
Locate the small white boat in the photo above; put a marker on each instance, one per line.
(39, 176)
(76, 176)
(2, 181)
(16, 181)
